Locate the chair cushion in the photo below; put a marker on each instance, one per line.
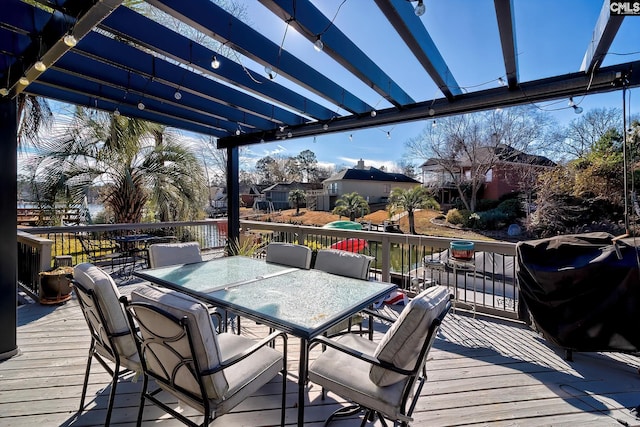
(204, 337)
(108, 297)
(344, 263)
(348, 377)
(298, 256)
(163, 254)
(401, 344)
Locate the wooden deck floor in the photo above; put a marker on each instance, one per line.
(482, 373)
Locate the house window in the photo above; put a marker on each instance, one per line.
(387, 189)
(489, 175)
(333, 188)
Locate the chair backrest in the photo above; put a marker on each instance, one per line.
(163, 254)
(344, 263)
(175, 355)
(99, 299)
(289, 254)
(407, 342)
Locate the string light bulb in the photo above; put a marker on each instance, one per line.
(325, 126)
(576, 108)
(23, 81)
(269, 71)
(501, 81)
(177, 95)
(116, 112)
(431, 111)
(141, 105)
(434, 124)
(70, 40)
(350, 137)
(238, 132)
(420, 8)
(215, 64)
(318, 45)
(388, 134)
(4, 91)
(39, 65)
(374, 113)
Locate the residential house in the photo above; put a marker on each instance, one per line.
(509, 171)
(373, 184)
(276, 197)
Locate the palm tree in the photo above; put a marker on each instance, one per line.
(350, 205)
(409, 200)
(297, 197)
(139, 164)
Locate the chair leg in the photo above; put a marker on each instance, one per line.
(145, 383)
(284, 391)
(112, 395)
(86, 377)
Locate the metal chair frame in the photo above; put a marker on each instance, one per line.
(194, 365)
(101, 338)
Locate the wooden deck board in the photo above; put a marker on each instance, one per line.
(481, 372)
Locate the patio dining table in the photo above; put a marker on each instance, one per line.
(303, 303)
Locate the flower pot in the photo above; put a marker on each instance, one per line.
(55, 285)
(462, 250)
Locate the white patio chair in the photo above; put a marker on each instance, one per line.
(111, 339)
(289, 254)
(163, 254)
(384, 378)
(347, 264)
(187, 358)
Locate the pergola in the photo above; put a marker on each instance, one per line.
(104, 55)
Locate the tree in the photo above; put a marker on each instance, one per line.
(140, 165)
(297, 197)
(307, 164)
(409, 200)
(582, 133)
(351, 205)
(468, 146)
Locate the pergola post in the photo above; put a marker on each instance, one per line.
(8, 228)
(233, 198)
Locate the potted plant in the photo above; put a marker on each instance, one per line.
(55, 285)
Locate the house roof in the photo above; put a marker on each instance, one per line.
(504, 153)
(288, 186)
(370, 174)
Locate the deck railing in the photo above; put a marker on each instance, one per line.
(486, 284)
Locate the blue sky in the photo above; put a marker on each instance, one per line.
(552, 37)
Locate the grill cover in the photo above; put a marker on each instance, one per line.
(583, 291)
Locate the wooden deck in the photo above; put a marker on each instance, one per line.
(482, 372)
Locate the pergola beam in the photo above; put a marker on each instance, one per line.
(567, 85)
(603, 34)
(506, 28)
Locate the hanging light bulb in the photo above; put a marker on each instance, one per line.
(501, 81)
(289, 134)
(433, 124)
(238, 132)
(325, 126)
(141, 105)
(350, 137)
(431, 111)
(70, 40)
(4, 91)
(23, 81)
(420, 8)
(39, 65)
(269, 71)
(318, 45)
(577, 110)
(571, 103)
(215, 64)
(374, 113)
(388, 135)
(116, 112)
(177, 95)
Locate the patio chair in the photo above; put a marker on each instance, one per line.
(289, 254)
(385, 378)
(111, 339)
(347, 264)
(187, 358)
(163, 254)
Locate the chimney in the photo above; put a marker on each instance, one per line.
(360, 165)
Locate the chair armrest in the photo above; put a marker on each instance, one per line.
(357, 354)
(378, 315)
(248, 352)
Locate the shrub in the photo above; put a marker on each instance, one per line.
(511, 207)
(493, 219)
(454, 216)
(485, 205)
